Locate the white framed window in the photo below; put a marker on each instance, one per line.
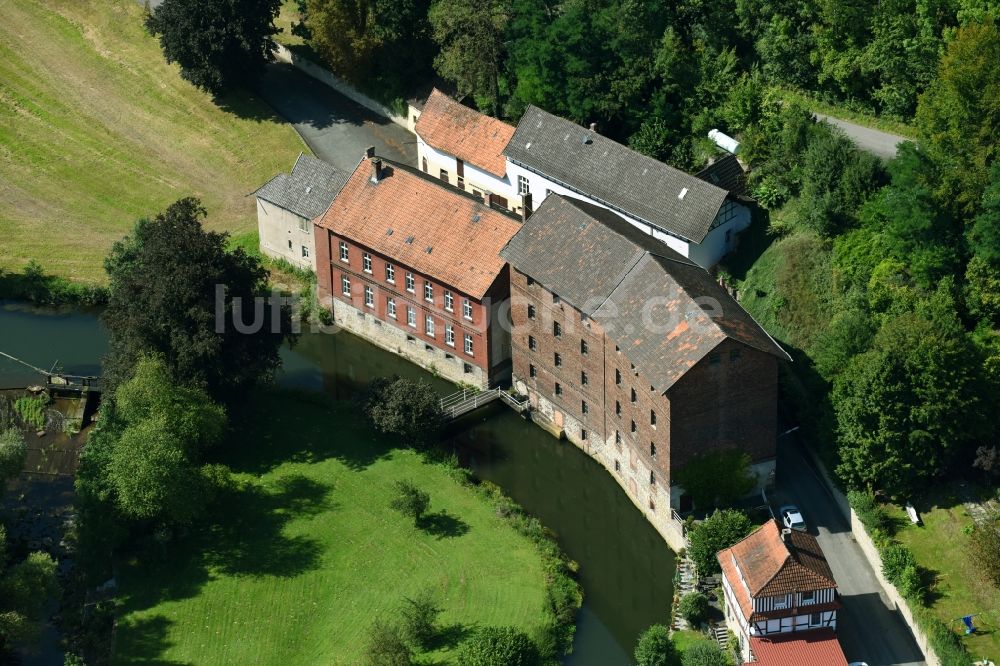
(468, 344)
(449, 335)
(390, 307)
(304, 224)
(467, 309)
(429, 325)
(369, 296)
(345, 286)
(523, 187)
(366, 262)
(449, 301)
(390, 273)
(305, 252)
(344, 255)
(410, 283)
(428, 292)
(411, 317)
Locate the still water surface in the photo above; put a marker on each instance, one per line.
(625, 567)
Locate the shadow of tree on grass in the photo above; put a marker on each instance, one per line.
(145, 639)
(443, 525)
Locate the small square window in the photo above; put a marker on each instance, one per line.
(303, 224)
(443, 175)
(555, 299)
(305, 252)
(583, 434)
(815, 619)
(558, 388)
(531, 281)
(523, 186)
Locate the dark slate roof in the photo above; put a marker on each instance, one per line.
(616, 175)
(308, 190)
(727, 173)
(663, 311)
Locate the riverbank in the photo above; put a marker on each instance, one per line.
(305, 552)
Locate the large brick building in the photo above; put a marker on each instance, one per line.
(635, 353)
(413, 265)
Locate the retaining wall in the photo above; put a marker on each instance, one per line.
(875, 562)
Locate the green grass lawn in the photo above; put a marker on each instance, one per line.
(298, 563)
(940, 545)
(96, 130)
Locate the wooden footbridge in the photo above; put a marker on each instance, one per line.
(467, 400)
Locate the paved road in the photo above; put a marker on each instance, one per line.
(335, 128)
(869, 628)
(874, 141)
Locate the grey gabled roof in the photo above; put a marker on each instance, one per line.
(308, 190)
(664, 312)
(727, 173)
(616, 175)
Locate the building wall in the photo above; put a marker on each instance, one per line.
(413, 342)
(283, 235)
(474, 177)
(719, 241)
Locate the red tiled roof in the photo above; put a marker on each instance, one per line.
(817, 647)
(465, 133)
(465, 236)
(772, 567)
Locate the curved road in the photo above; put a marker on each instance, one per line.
(871, 140)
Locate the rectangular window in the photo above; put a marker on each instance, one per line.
(429, 325)
(557, 359)
(652, 449)
(633, 395)
(449, 301)
(390, 307)
(652, 418)
(366, 262)
(443, 175)
(633, 429)
(468, 344)
(556, 329)
(305, 251)
(467, 309)
(584, 407)
(583, 434)
(618, 438)
(303, 224)
(531, 312)
(618, 408)
(618, 376)
(461, 182)
(618, 466)
(411, 316)
(532, 343)
(808, 596)
(583, 347)
(345, 286)
(449, 335)
(369, 296)
(532, 371)
(523, 186)
(409, 282)
(558, 388)
(652, 478)
(815, 619)
(531, 281)
(289, 244)
(428, 292)
(344, 256)
(555, 299)
(390, 273)
(583, 378)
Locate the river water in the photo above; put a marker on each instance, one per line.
(625, 567)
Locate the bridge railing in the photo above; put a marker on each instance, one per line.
(466, 400)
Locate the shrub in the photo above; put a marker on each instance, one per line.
(13, 452)
(944, 642)
(694, 608)
(896, 559)
(720, 530)
(717, 479)
(911, 585)
(704, 653)
(870, 512)
(410, 500)
(498, 646)
(655, 648)
(386, 646)
(419, 619)
(408, 409)
(984, 550)
(31, 409)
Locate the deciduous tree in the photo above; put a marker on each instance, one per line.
(498, 646)
(720, 530)
(655, 648)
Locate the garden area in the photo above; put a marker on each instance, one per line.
(304, 552)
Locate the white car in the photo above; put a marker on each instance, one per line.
(858, 663)
(792, 518)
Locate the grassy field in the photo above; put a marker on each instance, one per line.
(96, 130)
(940, 545)
(306, 554)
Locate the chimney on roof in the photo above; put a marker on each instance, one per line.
(786, 535)
(376, 169)
(593, 127)
(526, 208)
(487, 198)
(369, 152)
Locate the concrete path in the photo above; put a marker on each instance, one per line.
(335, 128)
(874, 141)
(869, 629)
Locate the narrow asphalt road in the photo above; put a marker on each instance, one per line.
(874, 141)
(869, 629)
(336, 129)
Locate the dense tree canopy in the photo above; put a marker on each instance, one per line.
(25, 590)
(720, 530)
(166, 280)
(655, 648)
(217, 43)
